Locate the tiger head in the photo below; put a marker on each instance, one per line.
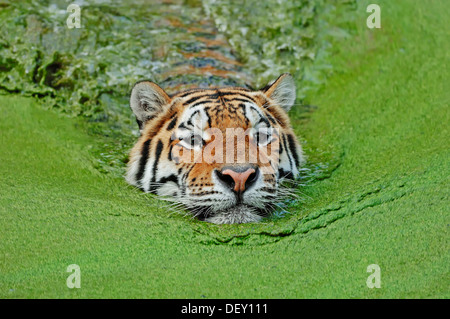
(221, 153)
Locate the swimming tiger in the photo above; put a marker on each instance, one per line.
(219, 152)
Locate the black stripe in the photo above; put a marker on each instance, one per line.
(195, 98)
(209, 119)
(238, 99)
(241, 105)
(172, 123)
(257, 110)
(214, 96)
(192, 100)
(293, 149)
(170, 178)
(189, 92)
(143, 161)
(287, 153)
(271, 119)
(140, 124)
(203, 102)
(159, 148)
(239, 94)
(263, 119)
(170, 152)
(283, 174)
(281, 148)
(185, 175)
(189, 122)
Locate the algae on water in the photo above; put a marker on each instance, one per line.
(276, 36)
(88, 72)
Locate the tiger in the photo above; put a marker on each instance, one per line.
(183, 153)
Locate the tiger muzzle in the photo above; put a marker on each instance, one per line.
(238, 178)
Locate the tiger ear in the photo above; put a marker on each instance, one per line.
(282, 91)
(147, 100)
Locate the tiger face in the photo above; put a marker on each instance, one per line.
(220, 153)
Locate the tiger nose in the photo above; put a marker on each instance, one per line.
(238, 179)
